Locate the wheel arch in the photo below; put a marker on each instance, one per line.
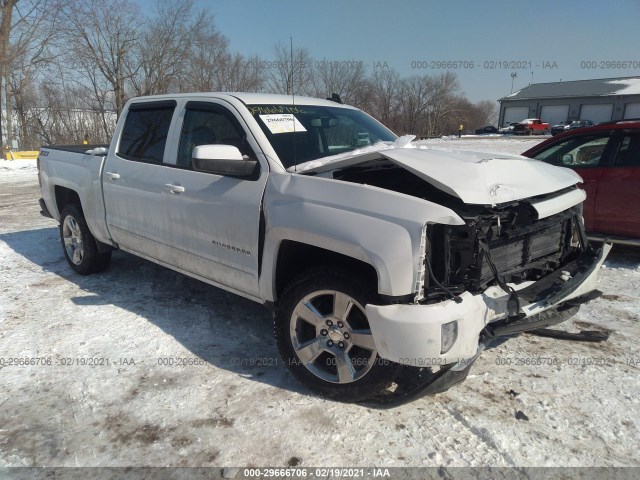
(64, 196)
(295, 257)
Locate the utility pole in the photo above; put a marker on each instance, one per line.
(513, 77)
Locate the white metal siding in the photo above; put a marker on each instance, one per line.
(596, 112)
(554, 114)
(515, 114)
(632, 110)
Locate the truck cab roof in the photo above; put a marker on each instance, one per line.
(246, 98)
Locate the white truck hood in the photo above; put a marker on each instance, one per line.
(480, 178)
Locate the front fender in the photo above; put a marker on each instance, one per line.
(371, 224)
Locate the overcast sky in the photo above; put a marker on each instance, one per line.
(568, 37)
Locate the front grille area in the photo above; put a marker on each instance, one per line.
(513, 254)
(520, 249)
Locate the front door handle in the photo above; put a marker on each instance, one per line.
(112, 176)
(175, 188)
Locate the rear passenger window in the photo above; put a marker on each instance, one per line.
(629, 151)
(145, 130)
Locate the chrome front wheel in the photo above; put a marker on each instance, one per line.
(324, 337)
(331, 336)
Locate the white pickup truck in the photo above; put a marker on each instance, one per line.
(389, 267)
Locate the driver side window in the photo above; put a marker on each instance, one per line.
(577, 152)
(202, 126)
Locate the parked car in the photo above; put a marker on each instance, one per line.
(386, 265)
(531, 126)
(486, 130)
(560, 128)
(580, 124)
(607, 157)
(507, 129)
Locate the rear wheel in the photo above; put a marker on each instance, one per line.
(79, 246)
(324, 337)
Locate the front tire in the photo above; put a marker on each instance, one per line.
(78, 244)
(324, 337)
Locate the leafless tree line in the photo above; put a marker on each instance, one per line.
(67, 67)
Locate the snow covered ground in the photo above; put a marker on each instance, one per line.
(17, 169)
(107, 389)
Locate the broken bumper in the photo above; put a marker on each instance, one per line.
(448, 332)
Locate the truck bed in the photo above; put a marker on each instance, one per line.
(68, 170)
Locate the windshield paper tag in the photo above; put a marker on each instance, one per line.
(282, 123)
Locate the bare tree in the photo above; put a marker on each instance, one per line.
(164, 51)
(443, 104)
(62, 91)
(344, 77)
(26, 33)
(64, 116)
(239, 74)
(103, 37)
(381, 99)
(486, 112)
(34, 48)
(290, 75)
(415, 97)
(207, 54)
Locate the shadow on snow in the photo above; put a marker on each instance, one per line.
(219, 327)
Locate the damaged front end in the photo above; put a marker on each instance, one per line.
(518, 259)
(505, 271)
(500, 246)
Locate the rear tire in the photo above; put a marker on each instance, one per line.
(78, 244)
(324, 337)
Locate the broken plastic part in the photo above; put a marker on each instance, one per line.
(583, 336)
(513, 302)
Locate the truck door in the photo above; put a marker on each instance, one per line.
(588, 155)
(134, 179)
(617, 209)
(214, 221)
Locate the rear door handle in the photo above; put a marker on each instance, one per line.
(112, 176)
(175, 188)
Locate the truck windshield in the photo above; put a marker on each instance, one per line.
(318, 131)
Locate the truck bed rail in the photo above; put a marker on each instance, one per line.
(75, 148)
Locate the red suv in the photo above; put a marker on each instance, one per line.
(607, 157)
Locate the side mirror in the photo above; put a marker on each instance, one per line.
(567, 159)
(222, 160)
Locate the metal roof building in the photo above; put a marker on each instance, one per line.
(600, 100)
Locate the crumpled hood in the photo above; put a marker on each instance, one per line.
(480, 178)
